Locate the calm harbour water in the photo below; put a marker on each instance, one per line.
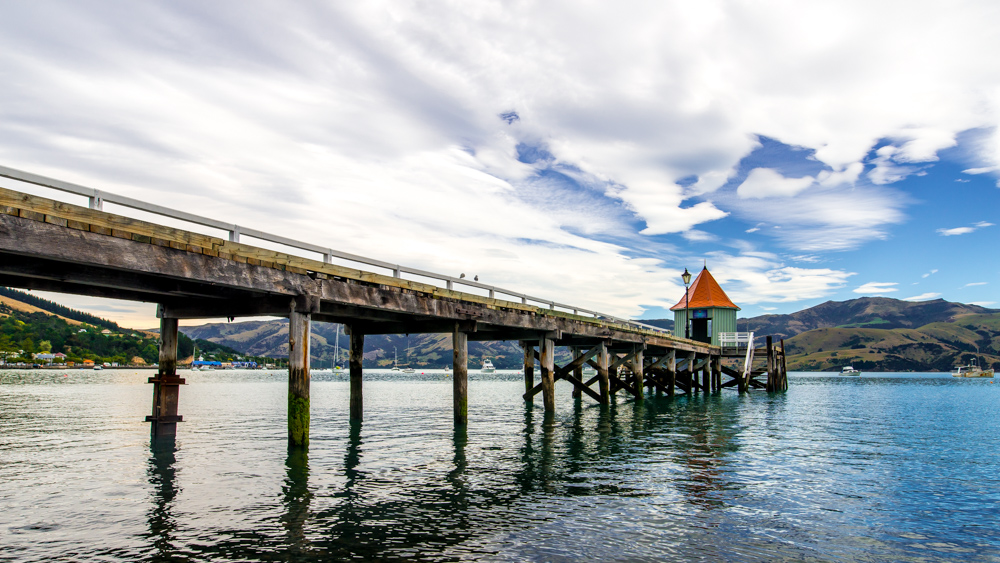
(888, 467)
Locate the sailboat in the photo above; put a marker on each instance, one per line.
(407, 368)
(395, 364)
(336, 354)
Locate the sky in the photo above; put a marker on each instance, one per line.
(586, 152)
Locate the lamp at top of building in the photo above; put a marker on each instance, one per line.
(686, 276)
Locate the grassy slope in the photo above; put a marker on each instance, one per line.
(932, 347)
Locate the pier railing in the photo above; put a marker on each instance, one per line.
(97, 199)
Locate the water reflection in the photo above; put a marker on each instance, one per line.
(296, 498)
(161, 522)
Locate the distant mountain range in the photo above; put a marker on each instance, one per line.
(427, 351)
(872, 333)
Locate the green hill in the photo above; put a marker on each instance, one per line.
(937, 346)
(30, 326)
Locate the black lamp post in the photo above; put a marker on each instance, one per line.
(686, 276)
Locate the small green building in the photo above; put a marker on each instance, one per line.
(710, 311)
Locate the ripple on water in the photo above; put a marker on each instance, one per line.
(900, 468)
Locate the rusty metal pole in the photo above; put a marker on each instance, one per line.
(166, 385)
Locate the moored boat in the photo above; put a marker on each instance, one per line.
(487, 367)
(849, 370)
(971, 370)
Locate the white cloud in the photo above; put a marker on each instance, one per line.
(363, 126)
(963, 230)
(983, 170)
(928, 274)
(973, 284)
(923, 297)
(876, 288)
(984, 303)
(765, 182)
(763, 308)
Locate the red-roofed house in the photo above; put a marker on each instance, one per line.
(710, 312)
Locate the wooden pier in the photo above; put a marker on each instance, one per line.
(50, 245)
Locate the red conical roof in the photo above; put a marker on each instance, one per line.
(705, 293)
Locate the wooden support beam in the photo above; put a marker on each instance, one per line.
(771, 383)
(671, 372)
(656, 378)
(547, 348)
(784, 370)
(620, 385)
(689, 377)
(637, 369)
(529, 367)
(577, 372)
(357, 354)
(460, 376)
(602, 373)
(298, 378)
(578, 384)
(578, 361)
(166, 385)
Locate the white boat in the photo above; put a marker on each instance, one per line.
(971, 370)
(98, 368)
(849, 370)
(395, 363)
(487, 367)
(407, 369)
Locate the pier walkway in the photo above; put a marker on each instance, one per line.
(51, 245)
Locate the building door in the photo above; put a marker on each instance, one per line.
(701, 330)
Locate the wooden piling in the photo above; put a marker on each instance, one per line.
(357, 354)
(689, 374)
(577, 372)
(460, 376)
(717, 374)
(529, 368)
(671, 372)
(637, 375)
(770, 365)
(298, 378)
(603, 359)
(166, 385)
(784, 369)
(547, 358)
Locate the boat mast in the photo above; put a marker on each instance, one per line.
(336, 350)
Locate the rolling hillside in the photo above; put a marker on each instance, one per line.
(430, 351)
(937, 346)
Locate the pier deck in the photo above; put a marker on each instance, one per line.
(46, 244)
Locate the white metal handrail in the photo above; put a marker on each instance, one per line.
(735, 339)
(748, 361)
(97, 198)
